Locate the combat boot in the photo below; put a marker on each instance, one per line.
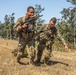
(19, 57)
(37, 62)
(46, 61)
(31, 61)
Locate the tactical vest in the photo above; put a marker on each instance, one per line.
(25, 33)
(47, 37)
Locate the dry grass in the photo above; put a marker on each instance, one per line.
(61, 63)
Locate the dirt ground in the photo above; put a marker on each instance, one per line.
(61, 63)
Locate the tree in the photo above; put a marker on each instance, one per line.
(69, 16)
(73, 2)
(7, 26)
(38, 11)
(11, 24)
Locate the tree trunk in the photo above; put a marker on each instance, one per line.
(7, 34)
(75, 28)
(74, 38)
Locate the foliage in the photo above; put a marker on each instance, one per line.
(66, 31)
(67, 24)
(38, 12)
(7, 26)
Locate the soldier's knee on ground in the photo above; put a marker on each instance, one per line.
(19, 56)
(46, 56)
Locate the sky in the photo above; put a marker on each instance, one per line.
(19, 7)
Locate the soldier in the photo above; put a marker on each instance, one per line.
(24, 36)
(46, 40)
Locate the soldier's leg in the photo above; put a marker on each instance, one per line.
(21, 45)
(40, 52)
(31, 51)
(50, 48)
(15, 51)
(47, 54)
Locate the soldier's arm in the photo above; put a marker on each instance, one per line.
(18, 26)
(59, 37)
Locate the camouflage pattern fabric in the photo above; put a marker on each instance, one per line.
(46, 40)
(24, 39)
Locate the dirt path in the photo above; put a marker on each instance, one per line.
(61, 63)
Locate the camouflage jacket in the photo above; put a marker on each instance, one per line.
(48, 35)
(23, 33)
(19, 23)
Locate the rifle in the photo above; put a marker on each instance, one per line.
(29, 21)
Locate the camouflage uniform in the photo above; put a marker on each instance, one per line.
(24, 39)
(46, 40)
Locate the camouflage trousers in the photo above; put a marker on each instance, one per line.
(44, 52)
(22, 46)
